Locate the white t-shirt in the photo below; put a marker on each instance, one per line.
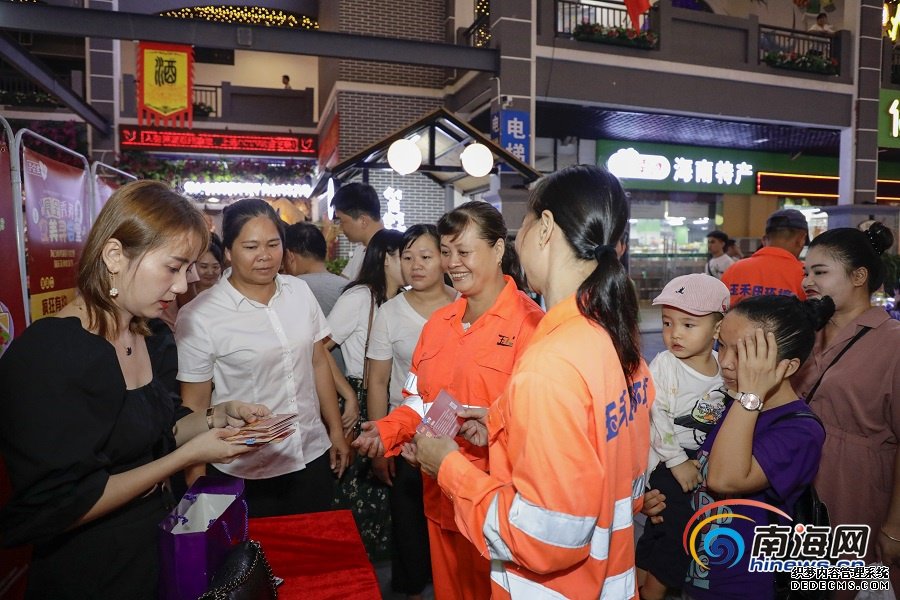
(395, 334)
(261, 354)
(680, 391)
(717, 266)
(349, 323)
(354, 265)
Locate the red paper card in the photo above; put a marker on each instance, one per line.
(441, 419)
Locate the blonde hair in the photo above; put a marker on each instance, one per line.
(142, 216)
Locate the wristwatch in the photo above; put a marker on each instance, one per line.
(750, 401)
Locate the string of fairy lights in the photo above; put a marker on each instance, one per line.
(244, 15)
(482, 34)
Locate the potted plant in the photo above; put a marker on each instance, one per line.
(202, 110)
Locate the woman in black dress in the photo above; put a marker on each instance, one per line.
(88, 433)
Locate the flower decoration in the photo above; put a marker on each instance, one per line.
(811, 62)
(176, 172)
(622, 36)
(202, 109)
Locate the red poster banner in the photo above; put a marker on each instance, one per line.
(57, 213)
(12, 304)
(13, 562)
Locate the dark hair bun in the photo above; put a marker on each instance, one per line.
(819, 310)
(880, 237)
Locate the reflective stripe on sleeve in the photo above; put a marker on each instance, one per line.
(412, 384)
(519, 587)
(416, 403)
(622, 517)
(618, 587)
(491, 531)
(498, 574)
(637, 486)
(551, 527)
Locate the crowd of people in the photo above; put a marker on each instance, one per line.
(778, 375)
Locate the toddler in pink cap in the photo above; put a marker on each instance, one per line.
(689, 402)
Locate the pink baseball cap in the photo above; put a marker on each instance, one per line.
(697, 294)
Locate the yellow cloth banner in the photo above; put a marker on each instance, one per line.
(166, 86)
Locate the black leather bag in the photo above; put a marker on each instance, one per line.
(245, 575)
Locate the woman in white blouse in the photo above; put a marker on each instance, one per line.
(350, 321)
(394, 336)
(256, 334)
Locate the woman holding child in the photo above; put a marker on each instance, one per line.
(856, 393)
(568, 439)
(689, 402)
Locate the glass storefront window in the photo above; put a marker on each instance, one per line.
(667, 238)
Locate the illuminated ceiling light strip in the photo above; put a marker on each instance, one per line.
(253, 15)
(768, 174)
(793, 193)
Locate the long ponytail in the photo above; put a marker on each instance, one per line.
(590, 206)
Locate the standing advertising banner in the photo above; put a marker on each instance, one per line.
(104, 186)
(13, 318)
(103, 189)
(57, 213)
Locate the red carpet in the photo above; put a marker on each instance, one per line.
(319, 555)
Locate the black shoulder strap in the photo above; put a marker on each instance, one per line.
(855, 339)
(799, 414)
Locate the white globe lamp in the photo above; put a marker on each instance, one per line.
(404, 156)
(477, 160)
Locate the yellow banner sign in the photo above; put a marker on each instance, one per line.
(166, 73)
(48, 303)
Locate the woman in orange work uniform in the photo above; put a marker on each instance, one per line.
(468, 349)
(569, 438)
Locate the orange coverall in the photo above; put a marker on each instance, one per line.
(770, 271)
(473, 366)
(569, 442)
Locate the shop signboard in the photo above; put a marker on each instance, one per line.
(669, 167)
(889, 119)
(12, 303)
(511, 130)
(57, 212)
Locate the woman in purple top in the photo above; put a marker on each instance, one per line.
(762, 449)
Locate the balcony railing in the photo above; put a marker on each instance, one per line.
(571, 13)
(676, 34)
(238, 104)
(208, 98)
(786, 48)
(16, 90)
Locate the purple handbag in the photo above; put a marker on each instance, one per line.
(197, 535)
